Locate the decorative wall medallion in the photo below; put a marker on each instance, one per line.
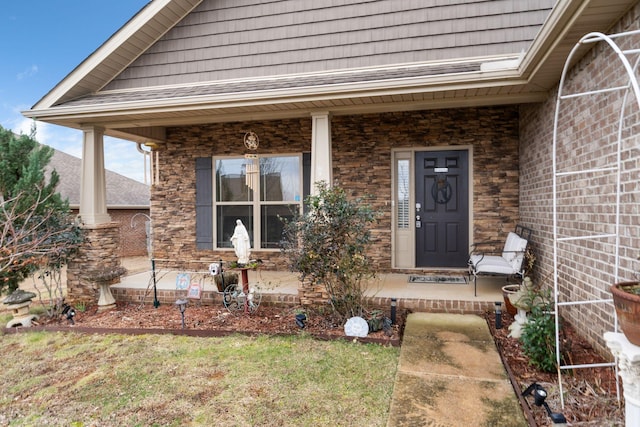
(251, 140)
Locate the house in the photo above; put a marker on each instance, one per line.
(444, 111)
(127, 201)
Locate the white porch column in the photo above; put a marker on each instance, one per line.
(321, 162)
(93, 189)
(629, 370)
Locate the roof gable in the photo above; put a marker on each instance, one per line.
(227, 39)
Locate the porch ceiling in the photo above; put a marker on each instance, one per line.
(141, 115)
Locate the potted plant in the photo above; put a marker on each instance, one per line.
(513, 293)
(626, 299)
(507, 291)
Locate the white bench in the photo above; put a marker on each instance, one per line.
(507, 263)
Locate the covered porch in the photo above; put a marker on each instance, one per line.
(281, 287)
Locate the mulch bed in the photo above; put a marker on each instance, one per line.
(205, 320)
(589, 393)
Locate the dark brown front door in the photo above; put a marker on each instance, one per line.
(442, 208)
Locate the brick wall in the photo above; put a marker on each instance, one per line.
(143, 296)
(587, 136)
(362, 157)
(133, 240)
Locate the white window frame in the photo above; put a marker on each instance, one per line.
(256, 203)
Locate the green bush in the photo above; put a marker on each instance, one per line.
(328, 244)
(539, 337)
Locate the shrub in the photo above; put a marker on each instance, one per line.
(328, 244)
(538, 335)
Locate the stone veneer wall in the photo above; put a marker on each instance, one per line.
(588, 132)
(173, 198)
(362, 162)
(99, 251)
(362, 165)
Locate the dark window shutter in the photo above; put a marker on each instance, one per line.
(204, 203)
(306, 177)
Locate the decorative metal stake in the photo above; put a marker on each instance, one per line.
(156, 303)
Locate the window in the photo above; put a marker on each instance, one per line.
(260, 201)
(402, 192)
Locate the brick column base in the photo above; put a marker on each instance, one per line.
(96, 265)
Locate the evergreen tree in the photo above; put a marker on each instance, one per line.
(36, 225)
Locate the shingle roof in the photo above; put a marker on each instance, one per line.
(122, 192)
(291, 82)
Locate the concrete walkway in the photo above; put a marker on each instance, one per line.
(450, 374)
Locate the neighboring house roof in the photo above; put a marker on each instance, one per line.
(122, 192)
(180, 62)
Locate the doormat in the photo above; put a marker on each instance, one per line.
(458, 280)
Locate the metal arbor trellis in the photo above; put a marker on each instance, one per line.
(571, 192)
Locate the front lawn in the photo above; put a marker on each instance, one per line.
(115, 380)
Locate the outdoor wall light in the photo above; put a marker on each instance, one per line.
(69, 312)
(539, 397)
(394, 303)
(182, 305)
(498, 315)
(152, 145)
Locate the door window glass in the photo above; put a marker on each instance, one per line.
(402, 192)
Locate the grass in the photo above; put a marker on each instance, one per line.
(5, 317)
(146, 380)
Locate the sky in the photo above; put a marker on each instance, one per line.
(41, 42)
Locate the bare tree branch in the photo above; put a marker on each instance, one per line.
(28, 237)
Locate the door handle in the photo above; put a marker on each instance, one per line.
(418, 222)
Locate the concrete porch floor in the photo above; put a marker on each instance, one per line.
(282, 286)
